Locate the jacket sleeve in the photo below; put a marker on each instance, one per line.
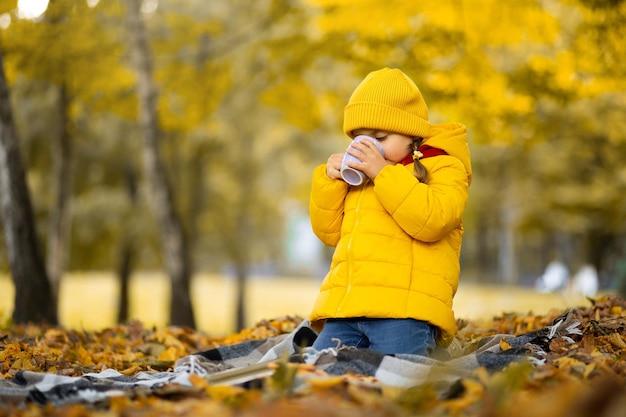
(427, 212)
(326, 206)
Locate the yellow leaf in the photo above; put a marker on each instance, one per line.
(85, 357)
(131, 371)
(569, 363)
(9, 351)
(198, 381)
(55, 334)
(588, 370)
(170, 354)
(504, 345)
(224, 392)
(24, 363)
(617, 341)
(326, 382)
(118, 404)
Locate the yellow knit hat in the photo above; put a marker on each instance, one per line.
(387, 100)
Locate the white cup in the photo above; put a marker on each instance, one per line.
(351, 175)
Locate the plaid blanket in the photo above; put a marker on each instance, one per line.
(243, 363)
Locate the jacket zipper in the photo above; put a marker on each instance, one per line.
(349, 246)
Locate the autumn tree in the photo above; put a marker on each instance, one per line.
(174, 243)
(55, 77)
(33, 297)
(249, 166)
(70, 74)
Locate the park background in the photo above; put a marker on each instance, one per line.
(168, 146)
(90, 301)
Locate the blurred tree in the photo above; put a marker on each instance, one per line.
(173, 238)
(33, 297)
(127, 251)
(53, 24)
(573, 170)
(70, 71)
(249, 179)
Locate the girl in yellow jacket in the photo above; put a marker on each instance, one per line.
(397, 237)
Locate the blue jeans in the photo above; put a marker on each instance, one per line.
(387, 336)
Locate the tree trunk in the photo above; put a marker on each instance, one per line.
(240, 296)
(173, 239)
(126, 253)
(59, 227)
(33, 297)
(507, 259)
(123, 273)
(238, 242)
(508, 218)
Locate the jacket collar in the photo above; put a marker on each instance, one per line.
(427, 151)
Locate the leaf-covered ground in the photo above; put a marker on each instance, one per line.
(585, 378)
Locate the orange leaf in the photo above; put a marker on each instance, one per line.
(131, 371)
(85, 357)
(224, 392)
(326, 382)
(617, 341)
(569, 363)
(118, 404)
(504, 345)
(588, 370)
(198, 381)
(170, 354)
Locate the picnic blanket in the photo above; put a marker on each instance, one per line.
(243, 363)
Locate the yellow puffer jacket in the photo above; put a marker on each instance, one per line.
(397, 241)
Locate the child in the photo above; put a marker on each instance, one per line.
(397, 237)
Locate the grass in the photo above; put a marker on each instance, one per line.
(89, 300)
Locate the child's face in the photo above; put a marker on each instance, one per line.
(396, 145)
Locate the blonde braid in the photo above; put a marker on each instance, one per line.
(419, 170)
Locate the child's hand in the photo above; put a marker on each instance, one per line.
(333, 166)
(372, 161)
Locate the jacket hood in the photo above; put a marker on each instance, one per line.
(452, 138)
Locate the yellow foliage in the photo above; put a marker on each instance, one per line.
(326, 382)
(504, 345)
(617, 340)
(295, 98)
(131, 371)
(223, 392)
(190, 94)
(368, 18)
(84, 357)
(83, 58)
(485, 22)
(118, 404)
(493, 22)
(171, 354)
(6, 6)
(10, 350)
(569, 363)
